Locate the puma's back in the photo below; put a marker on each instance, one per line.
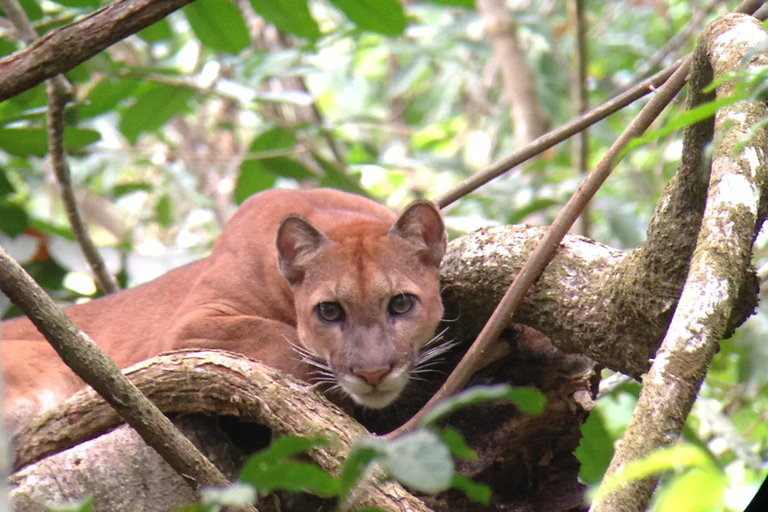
(323, 284)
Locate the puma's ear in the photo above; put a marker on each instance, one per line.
(422, 225)
(297, 240)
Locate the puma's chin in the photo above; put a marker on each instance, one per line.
(378, 396)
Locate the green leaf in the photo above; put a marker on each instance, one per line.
(595, 450)
(418, 459)
(127, 188)
(697, 490)
(13, 218)
(288, 168)
(273, 469)
(455, 441)
(253, 178)
(6, 187)
(164, 211)
(358, 459)
(34, 141)
(32, 8)
(288, 16)
(383, 16)
(477, 492)
(156, 104)
(158, 31)
(218, 24)
(687, 118)
(84, 505)
(7, 47)
(456, 3)
(663, 459)
(106, 94)
(529, 400)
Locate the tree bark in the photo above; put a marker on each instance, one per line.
(720, 267)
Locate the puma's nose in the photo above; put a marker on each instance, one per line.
(373, 376)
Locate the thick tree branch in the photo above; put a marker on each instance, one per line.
(91, 364)
(217, 382)
(720, 265)
(62, 49)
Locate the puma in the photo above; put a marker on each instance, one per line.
(325, 285)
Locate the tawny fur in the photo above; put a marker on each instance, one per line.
(237, 299)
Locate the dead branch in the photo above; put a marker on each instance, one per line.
(720, 266)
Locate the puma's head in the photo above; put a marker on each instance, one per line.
(367, 297)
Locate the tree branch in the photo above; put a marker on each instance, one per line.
(217, 382)
(62, 49)
(573, 126)
(720, 265)
(91, 364)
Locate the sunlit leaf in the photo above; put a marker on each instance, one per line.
(418, 459)
(338, 179)
(697, 490)
(253, 178)
(664, 459)
(291, 16)
(127, 188)
(218, 24)
(383, 16)
(272, 468)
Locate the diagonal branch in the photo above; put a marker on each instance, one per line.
(62, 49)
(91, 364)
(720, 266)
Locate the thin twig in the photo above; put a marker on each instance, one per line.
(57, 99)
(58, 91)
(572, 127)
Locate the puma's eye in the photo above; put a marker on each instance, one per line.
(330, 311)
(401, 304)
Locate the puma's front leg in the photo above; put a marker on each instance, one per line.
(268, 341)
